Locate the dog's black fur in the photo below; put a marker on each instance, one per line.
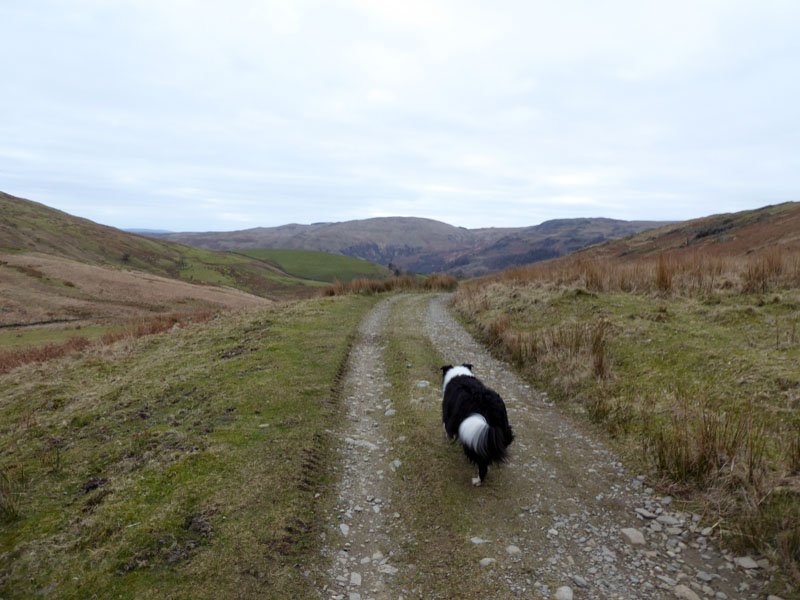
(464, 396)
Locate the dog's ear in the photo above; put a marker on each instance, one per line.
(445, 369)
(469, 366)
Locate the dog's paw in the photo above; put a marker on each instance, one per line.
(476, 481)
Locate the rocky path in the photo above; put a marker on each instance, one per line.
(563, 519)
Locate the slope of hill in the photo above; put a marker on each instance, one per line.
(722, 235)
(41, 288)
(29, 227)
(425, 245)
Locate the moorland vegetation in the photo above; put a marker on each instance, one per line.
(689, 359)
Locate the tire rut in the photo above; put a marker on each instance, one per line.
(362, 523)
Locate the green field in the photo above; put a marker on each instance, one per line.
(319, 266)
(16, 337)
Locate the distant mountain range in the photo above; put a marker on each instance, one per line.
(426, 245)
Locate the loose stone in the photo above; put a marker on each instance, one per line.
(745, 562)
(633, 536)
(684, 593)
(564, 593)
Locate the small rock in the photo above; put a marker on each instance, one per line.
(390, 413)
(707, 532)
(579, 581)
(745, 562)
(771, 597)
(478, 541)
(703, 576)
(633, 536)
(486, 562)
(668, 521)
(355, 578)
(387, 569)
(563, 593)
(645, 513)
(684, 593)
(512, 549)
(345, 529)
(553, 532)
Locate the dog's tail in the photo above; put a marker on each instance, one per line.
(485, 441)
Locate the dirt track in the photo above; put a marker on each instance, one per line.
(562, 519)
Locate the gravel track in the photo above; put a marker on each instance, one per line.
(566, 519)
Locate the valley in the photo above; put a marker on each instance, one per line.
(278, 434)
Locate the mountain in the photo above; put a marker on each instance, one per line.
(425, 245)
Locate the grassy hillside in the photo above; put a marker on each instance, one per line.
(192, 464)
(684, 344)
(319, 266)
(28, 227)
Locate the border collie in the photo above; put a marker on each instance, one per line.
(477, 416)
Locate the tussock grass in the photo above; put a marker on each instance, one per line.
(689, 362)
(190, 464)
(692, 273)
(404, 283)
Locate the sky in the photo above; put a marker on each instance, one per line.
(199, 115)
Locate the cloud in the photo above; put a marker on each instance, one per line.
(300, 111)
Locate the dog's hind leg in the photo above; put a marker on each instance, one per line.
(482, 468)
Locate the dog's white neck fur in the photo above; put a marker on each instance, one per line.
(455, 372)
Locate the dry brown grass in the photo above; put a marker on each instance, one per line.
(11, 359)
(686, 273)
(392, 284)
(38, 287)
(688, 360)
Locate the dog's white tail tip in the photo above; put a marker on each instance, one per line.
(473, 432)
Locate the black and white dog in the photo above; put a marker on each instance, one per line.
(477, 416)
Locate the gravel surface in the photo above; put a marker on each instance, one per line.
(566, 521)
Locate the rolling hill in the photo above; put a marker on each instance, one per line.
(425, 245)
(55, 267)
(30, 227)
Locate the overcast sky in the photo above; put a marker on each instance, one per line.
(195, 115)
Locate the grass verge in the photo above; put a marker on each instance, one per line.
(191, 464)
